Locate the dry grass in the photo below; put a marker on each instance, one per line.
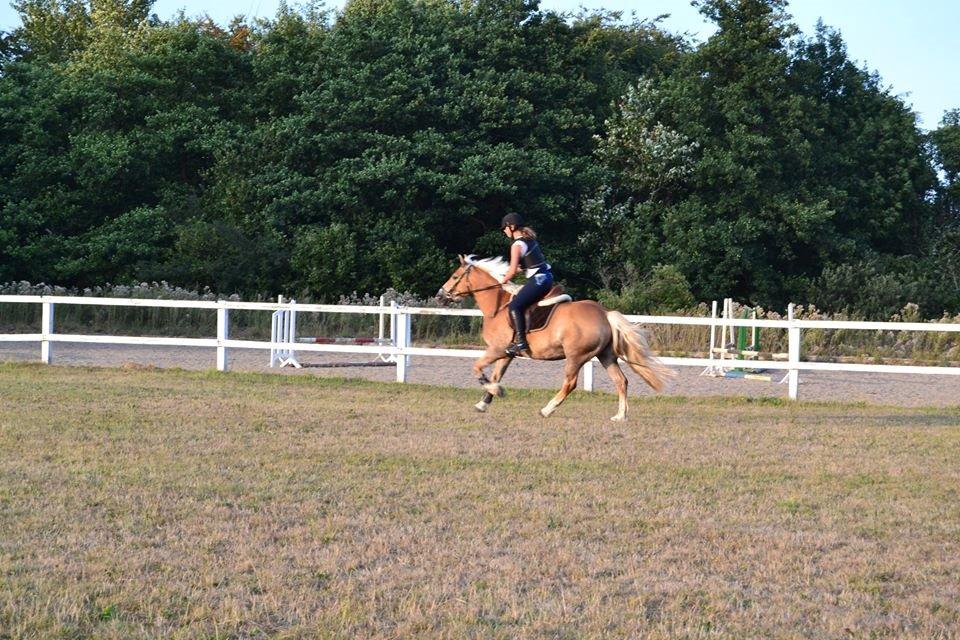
(152, 503)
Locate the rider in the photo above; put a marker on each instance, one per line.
(525, 250)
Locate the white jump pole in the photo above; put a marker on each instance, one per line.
(283, 335)
(274, 331)
(725, 328)
(291, 329)
(710, 369)
(401, 325)
(276, 334)
(393, 327)
(713, 328)
(290, 336)
(380, 332)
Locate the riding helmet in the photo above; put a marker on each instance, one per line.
(511, 220)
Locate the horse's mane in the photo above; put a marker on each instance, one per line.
(496, 267)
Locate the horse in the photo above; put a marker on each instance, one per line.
(577, 331)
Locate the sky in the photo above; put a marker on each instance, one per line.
(912, 44)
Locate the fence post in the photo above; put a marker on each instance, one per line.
(46, 330)
(402, 325)
(588, 375)
(793, 353)
(223, 333)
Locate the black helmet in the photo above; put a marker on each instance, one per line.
(511, 220)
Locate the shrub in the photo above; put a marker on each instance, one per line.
(663, 290)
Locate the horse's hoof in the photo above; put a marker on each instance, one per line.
(545, 413)
(618, 418)
(494, 389)
(480, 406)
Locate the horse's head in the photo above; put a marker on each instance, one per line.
(457, 285)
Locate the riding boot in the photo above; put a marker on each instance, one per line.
(520, 327)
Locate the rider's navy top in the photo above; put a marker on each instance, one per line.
(532, 258)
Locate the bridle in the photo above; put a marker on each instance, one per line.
(466, 274)
(463, 275)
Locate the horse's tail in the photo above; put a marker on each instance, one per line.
(630, 345)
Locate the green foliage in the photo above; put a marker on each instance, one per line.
(325, 256)
(323, 153)
(789, 160)
(52, 30)
(663, 290)
(946, 150)
(649, 158)
(221, 255)
(411, 127)
(870, 288)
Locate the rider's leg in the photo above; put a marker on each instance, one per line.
(520, 327)
(534, 289)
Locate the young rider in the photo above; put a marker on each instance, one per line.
(525, 251)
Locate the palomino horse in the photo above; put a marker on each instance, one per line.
(578, 332)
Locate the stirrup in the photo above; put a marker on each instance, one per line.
(517, 348)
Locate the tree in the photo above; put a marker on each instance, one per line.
(793, 160)
(416, 125)
(55, 31)
(104, 155)
(946, 150)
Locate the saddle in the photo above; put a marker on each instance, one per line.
(539, 314)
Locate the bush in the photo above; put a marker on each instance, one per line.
(663, 290)
(865, 288)
(878, 288)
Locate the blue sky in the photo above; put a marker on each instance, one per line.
(912, 44)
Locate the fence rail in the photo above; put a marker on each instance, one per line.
(402, 317)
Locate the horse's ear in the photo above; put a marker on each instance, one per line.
(462, 259)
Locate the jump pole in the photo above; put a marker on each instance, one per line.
(283, 335)
(283, 329)
(711, 369)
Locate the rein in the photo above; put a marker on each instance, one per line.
(496, 285)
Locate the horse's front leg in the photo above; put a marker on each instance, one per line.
(492, 387)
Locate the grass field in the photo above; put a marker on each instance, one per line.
(168, 504)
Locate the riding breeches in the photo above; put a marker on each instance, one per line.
(532, 291)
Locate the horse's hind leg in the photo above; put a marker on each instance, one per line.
(570, 372)
(609, 361)
(492, 386)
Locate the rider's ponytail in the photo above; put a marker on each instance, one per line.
(515, 222)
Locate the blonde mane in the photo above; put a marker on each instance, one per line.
(496, 267)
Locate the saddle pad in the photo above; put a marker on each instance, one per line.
(539, 317)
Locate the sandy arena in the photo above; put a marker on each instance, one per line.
(891, 389)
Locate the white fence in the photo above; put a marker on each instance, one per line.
(402, 318)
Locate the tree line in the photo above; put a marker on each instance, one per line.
(322, 152)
